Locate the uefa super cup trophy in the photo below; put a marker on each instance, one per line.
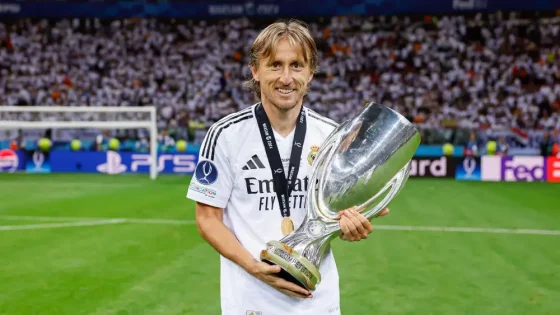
(364, 162)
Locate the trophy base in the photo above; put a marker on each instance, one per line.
(295, 268)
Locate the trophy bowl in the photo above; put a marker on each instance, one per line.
(363, 163)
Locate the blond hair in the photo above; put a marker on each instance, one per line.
(296, 32)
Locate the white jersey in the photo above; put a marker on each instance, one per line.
(233, 173)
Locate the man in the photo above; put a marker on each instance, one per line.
(503, 147)
(546, 144)
(247, 160)
(471, 148)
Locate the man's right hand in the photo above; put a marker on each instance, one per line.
(268, 274)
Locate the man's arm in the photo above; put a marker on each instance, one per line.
(213, 230)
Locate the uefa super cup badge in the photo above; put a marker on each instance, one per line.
(312, 154)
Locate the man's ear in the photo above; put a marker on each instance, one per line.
(254, 73)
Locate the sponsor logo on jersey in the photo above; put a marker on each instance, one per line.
(253, 163)
(206, 172)
(267, 194)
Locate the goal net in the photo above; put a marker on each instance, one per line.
(67, 123)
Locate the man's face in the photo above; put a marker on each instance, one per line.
(283, 77)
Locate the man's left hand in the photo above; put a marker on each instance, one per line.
(355, 226)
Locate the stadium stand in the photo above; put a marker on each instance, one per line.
(485, 71)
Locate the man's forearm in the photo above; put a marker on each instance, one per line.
(224, 242)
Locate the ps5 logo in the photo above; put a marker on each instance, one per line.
(113, 165)
(181, 163)
(141, 163)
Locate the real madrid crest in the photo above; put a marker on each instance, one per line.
(312, 154)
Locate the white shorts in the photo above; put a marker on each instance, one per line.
(252, 310)
(260, 299)
(243, 294)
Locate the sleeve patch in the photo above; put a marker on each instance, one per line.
(206, 173)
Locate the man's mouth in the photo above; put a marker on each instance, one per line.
(285, 91)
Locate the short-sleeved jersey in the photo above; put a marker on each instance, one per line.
(233, 173)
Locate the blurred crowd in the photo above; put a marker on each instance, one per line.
(496, 71)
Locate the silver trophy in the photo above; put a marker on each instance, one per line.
(364, 162)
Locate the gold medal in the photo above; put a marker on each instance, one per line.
(287, 226)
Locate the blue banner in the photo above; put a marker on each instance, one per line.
(436, 150)
(111, 162)
(271, 8)
(468, 168)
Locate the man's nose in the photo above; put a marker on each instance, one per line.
(286, 76)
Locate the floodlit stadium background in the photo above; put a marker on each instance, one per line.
(475, 230)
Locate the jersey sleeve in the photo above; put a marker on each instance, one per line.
(212, 181)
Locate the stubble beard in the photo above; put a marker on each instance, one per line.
(289, 106)
(286, 107)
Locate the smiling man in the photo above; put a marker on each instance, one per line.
(249, 161)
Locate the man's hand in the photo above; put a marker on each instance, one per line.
(268, 274)
(355, 226)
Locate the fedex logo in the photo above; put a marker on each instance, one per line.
(553, 169)
(523, 168)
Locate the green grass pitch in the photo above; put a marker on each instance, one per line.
(65, 250)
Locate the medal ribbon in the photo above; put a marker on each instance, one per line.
(283, 185)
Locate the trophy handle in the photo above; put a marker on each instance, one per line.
(391, 189)
(318, 171)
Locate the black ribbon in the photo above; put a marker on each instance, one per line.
(282, 185)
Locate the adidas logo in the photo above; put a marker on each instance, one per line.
(253, 163)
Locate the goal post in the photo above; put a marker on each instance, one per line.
(150, 123)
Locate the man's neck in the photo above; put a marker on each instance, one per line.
(283, 122)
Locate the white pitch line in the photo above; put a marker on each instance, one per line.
(378, 227)
(130, 220)
(466, 229)
(59, 225)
